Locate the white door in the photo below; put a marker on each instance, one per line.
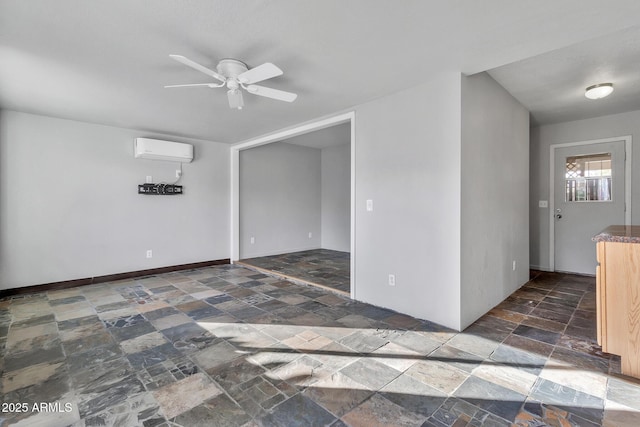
(589, 195)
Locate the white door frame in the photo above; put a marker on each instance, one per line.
(350, 117)
(627, 185)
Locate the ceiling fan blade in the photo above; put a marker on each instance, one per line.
(235, 99)
(196, 66)
(194, 84)
(280, 95)
(259, 73)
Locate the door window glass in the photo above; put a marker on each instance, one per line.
(588, 178)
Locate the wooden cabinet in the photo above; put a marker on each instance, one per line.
(618, 301)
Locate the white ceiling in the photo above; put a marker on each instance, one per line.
(106, 61)
(552, 85)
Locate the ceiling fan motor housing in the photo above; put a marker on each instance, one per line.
(231, 68)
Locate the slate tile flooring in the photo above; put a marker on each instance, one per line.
(225, 346)
(323, 267)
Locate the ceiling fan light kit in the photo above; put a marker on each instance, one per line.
(235, 99)
(599, 91)
(236, 76)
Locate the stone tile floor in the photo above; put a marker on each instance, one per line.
(321, 267)
(224, 346)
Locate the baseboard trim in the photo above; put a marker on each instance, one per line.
(539, 268)
(66, 284)
(280, 252)
(576, 274)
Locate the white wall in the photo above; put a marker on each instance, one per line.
(280, 199)
(542, 138)
(69, 206)
(336, 198)
(495, 196)
(408, 162)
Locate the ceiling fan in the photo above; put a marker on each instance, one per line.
(235, 75)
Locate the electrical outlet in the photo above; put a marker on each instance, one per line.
(392, 280)
(178, 173)
(310, 235)
(149, 253)
(514, 265)
(253, 240)
(543, 203)
(149, 179)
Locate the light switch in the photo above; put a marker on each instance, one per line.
(543, 204)
(370, 205)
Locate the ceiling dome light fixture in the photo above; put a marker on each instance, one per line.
(599, 91)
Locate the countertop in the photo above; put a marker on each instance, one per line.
(619, 233)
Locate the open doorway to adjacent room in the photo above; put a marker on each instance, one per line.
(294, 207)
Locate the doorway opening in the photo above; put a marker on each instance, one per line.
(292, 204)
(590, 189)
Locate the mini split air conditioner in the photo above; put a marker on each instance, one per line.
(156, 149)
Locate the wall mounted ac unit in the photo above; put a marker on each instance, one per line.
(156, 149)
